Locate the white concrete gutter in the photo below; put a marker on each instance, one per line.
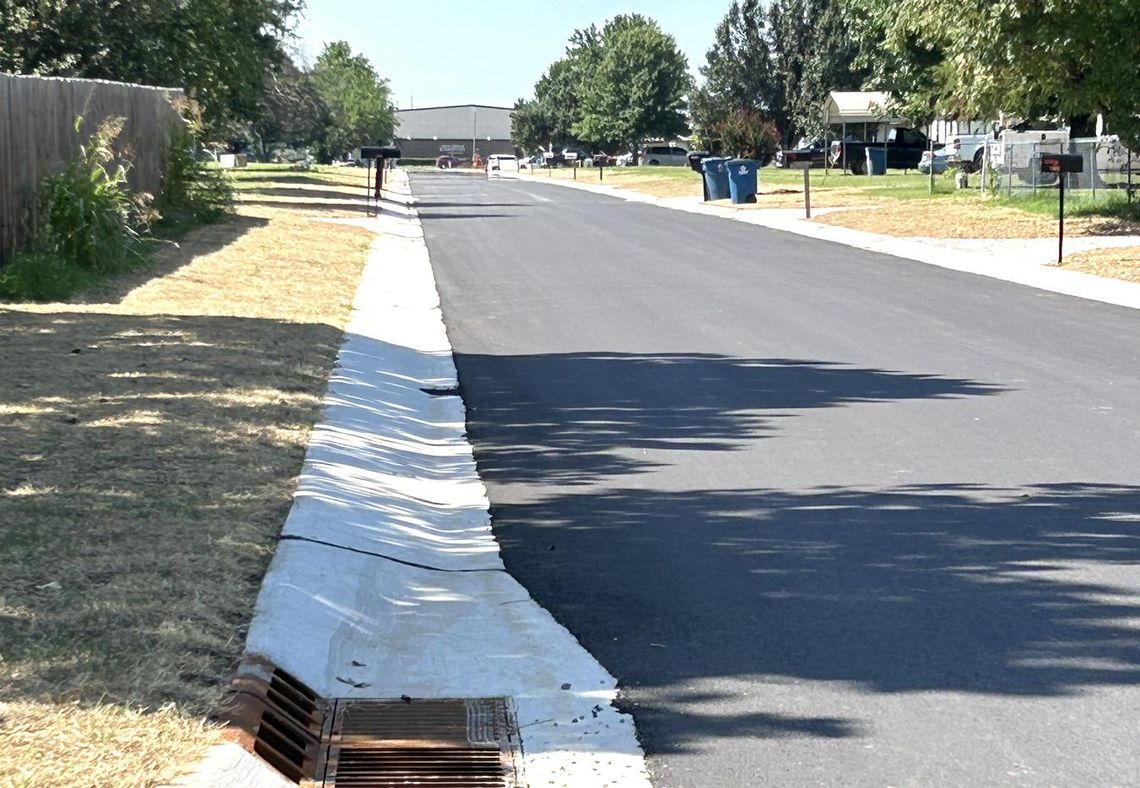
(388, 581)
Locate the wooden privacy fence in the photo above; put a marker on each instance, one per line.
(38, 136)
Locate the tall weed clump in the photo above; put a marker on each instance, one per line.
(85, 224)
(193, 191)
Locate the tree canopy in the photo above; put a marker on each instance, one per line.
(614, 87)
(218, 50)
(358, 100)
(1029, 58)
(778, 61)
(637, 87)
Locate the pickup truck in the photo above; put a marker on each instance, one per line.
(904, 151)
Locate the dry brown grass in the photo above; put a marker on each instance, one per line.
(964, 218)
(153, 431)
(1122, 262)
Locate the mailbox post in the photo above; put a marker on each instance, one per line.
(1061, 164)
(381, 153)
(805, 166)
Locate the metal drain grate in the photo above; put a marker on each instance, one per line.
(441, 743)
(280, 719)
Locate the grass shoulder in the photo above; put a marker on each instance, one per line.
(155, 425)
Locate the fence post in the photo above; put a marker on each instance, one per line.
(930, 143)
(1092, 169)
(1036, 154)
(1008, 171)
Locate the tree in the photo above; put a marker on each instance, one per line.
(778, 61)
(1027, 58)
(738, 71)
(292, 110)
(636, 86)
(548, 120)
(358, 100)
(218, 50)
(748, 133)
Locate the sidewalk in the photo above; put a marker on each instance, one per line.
(387, 581)
(1022, 261)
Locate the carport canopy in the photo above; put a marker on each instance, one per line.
(853, 106)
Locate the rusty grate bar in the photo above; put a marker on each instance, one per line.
(277, 717)
(442, 743)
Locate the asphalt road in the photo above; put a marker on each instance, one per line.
(830, 517)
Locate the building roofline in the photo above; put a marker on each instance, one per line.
(455, 106)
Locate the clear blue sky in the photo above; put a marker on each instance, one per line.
(490, 52)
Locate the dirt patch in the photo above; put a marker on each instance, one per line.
(153, 432)
(1116, 263)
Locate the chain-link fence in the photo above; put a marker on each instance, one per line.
(1014, 168)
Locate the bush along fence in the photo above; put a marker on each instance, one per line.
(39, 136)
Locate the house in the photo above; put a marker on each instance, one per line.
(459, 130)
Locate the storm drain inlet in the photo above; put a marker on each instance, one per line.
(318, 742)
(463, 743)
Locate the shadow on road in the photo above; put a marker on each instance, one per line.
(575, 418)
(901, 589)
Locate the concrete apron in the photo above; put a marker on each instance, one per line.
(388, 580)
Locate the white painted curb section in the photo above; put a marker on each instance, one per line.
(389, 472)
(1021, 261)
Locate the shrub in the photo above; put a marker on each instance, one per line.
(85, 215)
(748, 133)
(193, 191)
(41, 276)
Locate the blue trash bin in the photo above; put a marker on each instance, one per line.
(716, 177)
(742, 180)
(876, 161)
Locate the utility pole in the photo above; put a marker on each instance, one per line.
(474, 125)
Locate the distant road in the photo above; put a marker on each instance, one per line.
(830, 517)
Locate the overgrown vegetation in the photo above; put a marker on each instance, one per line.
(193, 191)
(86, 224)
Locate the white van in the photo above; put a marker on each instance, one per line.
(669, 155)
(500, 164)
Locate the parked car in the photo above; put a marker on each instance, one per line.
(940, 158)
(1113, 162)
(966, 150)
(667, 155)
(499, 164)
(446, 162)
(904, 151)
(553, 158)
(806, 150)
(600, 160)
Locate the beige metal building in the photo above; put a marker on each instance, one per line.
(456, 130)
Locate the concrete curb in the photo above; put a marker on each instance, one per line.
(1024, 262)
(388, 580)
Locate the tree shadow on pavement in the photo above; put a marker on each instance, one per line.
(605, 406)
(944, 587)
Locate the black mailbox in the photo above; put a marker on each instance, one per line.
(1062, 162)
(380, 152)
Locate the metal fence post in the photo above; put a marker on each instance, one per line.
(1092, 171)
(1008, 171)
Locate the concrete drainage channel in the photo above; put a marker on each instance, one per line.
(389, 645)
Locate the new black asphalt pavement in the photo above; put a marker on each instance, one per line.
(830, 517)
